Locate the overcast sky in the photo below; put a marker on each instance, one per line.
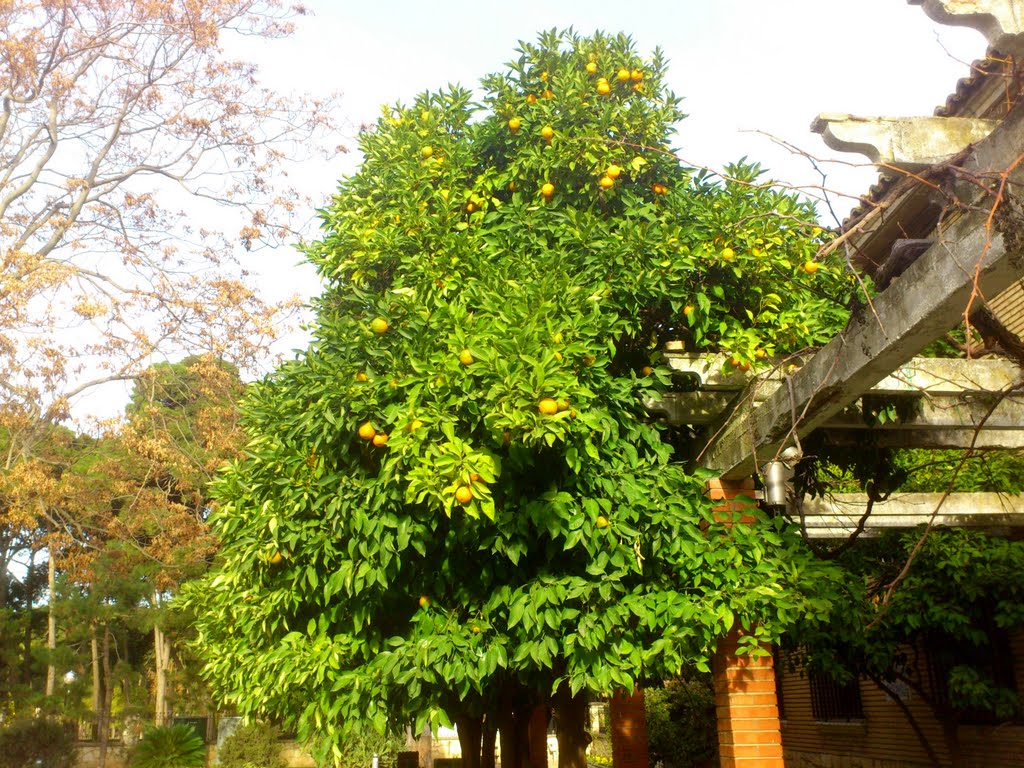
(742, 66)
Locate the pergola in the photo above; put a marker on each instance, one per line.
(953, 179)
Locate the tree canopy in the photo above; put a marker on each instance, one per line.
(452, 503)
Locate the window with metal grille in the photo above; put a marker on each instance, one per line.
(835, 701)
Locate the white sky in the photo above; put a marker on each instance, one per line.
(742, 66)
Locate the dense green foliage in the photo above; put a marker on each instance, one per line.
(35, 743)
(254, 745)
(681, 724)
(960, 597)
(454, 491)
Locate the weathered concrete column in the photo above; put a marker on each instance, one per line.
(629, 729)
(749, 733)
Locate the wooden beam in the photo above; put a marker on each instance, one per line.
(927, 300)
(837, 516)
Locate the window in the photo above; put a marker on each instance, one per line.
(834, 701)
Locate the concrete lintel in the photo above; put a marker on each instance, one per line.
(911, 143)
(1000, 21)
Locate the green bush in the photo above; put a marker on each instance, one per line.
(681, 725)
(251, 746)
(35, 743)
(173, 746)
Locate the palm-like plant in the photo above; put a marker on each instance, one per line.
(172, 746)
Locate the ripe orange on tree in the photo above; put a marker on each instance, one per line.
(623, 75)
(728, 254)
(379, 325)
(548, 406)
(427, 151)
(606, 182)
(366, 431)
(659, 189)
(276, 558)
(810, 266)
(531, 98)
(424, 601)
(547, 133)
(515, 124)
(548, 189)
(613, 171)
(466, 357)
(636, 75)
(463, 494)
(546, 94)
(688, 310)
(361, 376)
(592, 67)
(380, 439)
(602, 521)
(603, 87)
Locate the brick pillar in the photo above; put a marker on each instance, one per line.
(629, 729)
(537, 737)
(749, 735)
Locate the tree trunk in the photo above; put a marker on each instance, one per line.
(97, 684)
(487, 740)
(108, 690)
(951, 735)
(911, 720)
(470, 730)
(571, 727)
(513, 728)
(26, 659)
(425, 746)
(51, 622)
(161, 652)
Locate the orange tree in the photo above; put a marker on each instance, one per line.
(453, 505)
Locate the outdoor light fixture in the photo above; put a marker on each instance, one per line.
(777, 474)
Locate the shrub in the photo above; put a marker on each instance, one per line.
(173, 746)
(251, 746)
(681, 725)
(35, 743)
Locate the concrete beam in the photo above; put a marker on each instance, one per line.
(932, 439)
(911, 143)
(928, 375)
(837, 516)
(1000, 21)
(942, 412)
(928, 300)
